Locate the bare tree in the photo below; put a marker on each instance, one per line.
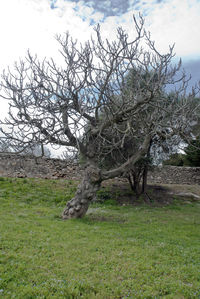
(36, 150)
(4, 145)
(55, 105)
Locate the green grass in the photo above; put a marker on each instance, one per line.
(114, 252)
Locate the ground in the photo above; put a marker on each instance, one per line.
(158, 194)
(120, 249)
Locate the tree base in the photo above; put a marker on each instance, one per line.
(78, 206)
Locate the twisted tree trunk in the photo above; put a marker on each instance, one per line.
(91, 182)
(78, 206)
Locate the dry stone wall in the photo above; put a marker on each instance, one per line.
(12, 165)
(175, 175)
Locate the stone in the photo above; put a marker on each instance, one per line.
(15, 165)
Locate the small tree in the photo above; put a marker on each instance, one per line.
(137, 175)
(50, 104)
(37, 150)
(176, 159)
(192, 157)
(4, 145)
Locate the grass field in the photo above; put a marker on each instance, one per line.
(116, 251)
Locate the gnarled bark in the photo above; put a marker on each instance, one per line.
(78, 205)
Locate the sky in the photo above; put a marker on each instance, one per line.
(33, 24)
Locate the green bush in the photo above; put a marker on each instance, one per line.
(192, 157)
(175, 160)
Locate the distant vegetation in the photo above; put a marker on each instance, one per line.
(190, 158)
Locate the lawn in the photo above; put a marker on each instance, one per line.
(115, 251)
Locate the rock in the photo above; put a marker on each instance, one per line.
(188, 194)
(14, 165)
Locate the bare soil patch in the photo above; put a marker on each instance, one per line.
(157, 194)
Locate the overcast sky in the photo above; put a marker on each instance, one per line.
(32, 24)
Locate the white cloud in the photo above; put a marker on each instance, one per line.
(170, 21)
(176, 21)
(33, 24)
